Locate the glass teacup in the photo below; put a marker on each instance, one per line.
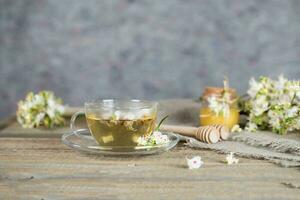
(119, 122)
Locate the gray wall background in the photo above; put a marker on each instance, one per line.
(149, 49)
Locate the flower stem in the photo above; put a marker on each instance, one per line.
(161, 121)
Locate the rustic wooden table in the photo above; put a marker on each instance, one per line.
(34, 164)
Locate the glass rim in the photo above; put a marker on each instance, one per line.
(120, 104)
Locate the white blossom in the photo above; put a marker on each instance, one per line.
(252, 127)
(236, 128)
(28, 105)
(51, 103)
(142, 141)
(292, 112)
(280, 84)
(260, 105)
(51, 112)
(230, 159)
(39, 118)
(219, 106)
(275, 123)
(194, 163)
(254, 87)
(160, 138)
(157, 138)
(214, 104)
(272, 114)
(38, 99)
(283, 99)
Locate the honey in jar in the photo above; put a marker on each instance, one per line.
(219, 106)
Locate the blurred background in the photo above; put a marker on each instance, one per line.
(142, 49)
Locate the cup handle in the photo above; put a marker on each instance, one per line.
(73, 120)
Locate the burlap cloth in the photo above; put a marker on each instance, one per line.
(282, 150)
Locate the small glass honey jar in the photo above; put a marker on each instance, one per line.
(219, 106)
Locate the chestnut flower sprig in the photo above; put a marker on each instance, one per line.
(40, 110)
(273, 104)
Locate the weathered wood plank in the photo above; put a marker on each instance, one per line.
(43, 168)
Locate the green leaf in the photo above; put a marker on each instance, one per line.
(161, 121)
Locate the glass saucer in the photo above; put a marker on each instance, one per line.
(83, 141)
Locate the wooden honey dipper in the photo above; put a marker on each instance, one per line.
(208, 134)
(223, 130)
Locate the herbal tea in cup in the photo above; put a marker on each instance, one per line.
(119, 122)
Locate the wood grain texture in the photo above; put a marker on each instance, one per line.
(43, 168)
